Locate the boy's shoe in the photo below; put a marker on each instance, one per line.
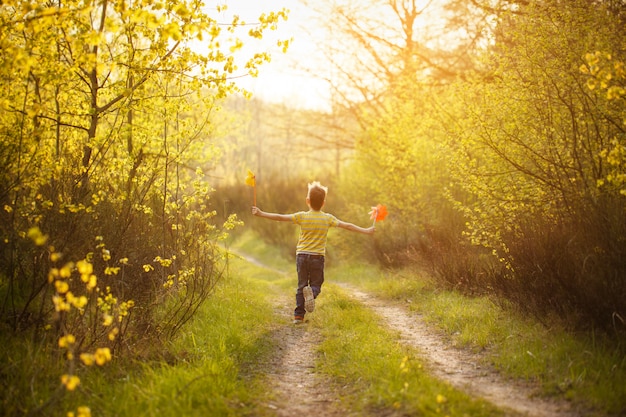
(298, 320)
(309, 299)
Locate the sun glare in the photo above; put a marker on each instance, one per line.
(298, 77)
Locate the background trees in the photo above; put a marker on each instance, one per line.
(528, 148)
(494, 133)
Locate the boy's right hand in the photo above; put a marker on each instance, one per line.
(255, 211)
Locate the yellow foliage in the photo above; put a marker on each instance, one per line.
(87, 359)
(61, 286)
(59, 183)
(37, 236)
(60, 304)
(70, 381)
(77, 302)
(610, 76)
(110, 270)
(113, 333)
(107, 320)
(84, 267)
(82, 411)
(102, 356)
(66, 341)
(92, 282)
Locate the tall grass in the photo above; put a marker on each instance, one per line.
(208, 370)
(29, 375)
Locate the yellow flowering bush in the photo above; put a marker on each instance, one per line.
(75, 168)
(80, 412)
(80, 304)
(608, 76)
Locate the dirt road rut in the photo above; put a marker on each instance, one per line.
(461, 368)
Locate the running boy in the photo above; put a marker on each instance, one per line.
(311, 248)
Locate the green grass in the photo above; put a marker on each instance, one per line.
(30, 374)
(209, 369)
(589, 369)
(212, 367)
(383, 375)
(248, 243)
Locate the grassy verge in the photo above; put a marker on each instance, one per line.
(209, 367)
(382, 374)
(248, 243)
(589, 369)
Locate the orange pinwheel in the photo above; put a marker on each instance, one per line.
(378, 213)
(251, 181)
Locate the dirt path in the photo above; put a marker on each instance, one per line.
(300, 389)
(461, 368)
(297, 389)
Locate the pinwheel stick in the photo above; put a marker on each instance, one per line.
(251, 181)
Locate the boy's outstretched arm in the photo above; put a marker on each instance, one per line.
(272, 216)
(354, 228)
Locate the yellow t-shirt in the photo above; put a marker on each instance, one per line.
(314, 227)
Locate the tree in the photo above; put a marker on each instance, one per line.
(529, 152)
(105, 142)
(387, 60)
(375, 48)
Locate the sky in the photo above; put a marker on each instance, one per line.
(279, 81)
(283, 80)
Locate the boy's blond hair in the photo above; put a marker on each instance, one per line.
(317, 195)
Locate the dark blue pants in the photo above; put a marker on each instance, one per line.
(310, 272)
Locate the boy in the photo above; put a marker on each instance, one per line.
(311, 248)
